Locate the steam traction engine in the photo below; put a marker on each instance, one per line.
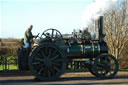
(48, 59)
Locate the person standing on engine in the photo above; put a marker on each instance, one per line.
(28, 37)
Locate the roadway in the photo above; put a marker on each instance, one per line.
(73, 78)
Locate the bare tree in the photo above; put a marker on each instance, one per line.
(115, 24)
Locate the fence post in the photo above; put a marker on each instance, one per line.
(6, 63)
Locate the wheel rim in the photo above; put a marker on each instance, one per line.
(91, 69)
(47, 62)
(105, 66)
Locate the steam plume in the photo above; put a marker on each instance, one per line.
(95, 9)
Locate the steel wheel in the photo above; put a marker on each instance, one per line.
(47, 62)
(52, 33)
(105, 66)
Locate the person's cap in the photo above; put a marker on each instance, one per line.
(30, 26)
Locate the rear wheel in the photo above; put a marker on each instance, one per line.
(47, 62)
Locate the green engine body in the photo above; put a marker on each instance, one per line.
(81, 49)
(86, 50)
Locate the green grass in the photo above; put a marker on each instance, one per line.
(9, 67)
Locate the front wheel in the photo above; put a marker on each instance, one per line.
(91, 68)
(105, 66)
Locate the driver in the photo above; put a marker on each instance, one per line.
(28, 37)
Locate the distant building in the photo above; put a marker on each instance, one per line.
(67, 35)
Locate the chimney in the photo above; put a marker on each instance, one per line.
(101, 28)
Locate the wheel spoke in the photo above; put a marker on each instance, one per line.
(54, 53)
(56, 34)
(49, 74)
(54, 57)
(39, 65)
(112, 68)
(113, 64)
(58, 60)
(50, 51)
(36, 63)
(39, 59)
(40, 70)
(38, 55)
(56, 69)
(56, 64)
(52, 33)
(46, 51)
(100, 64)
(43, 54)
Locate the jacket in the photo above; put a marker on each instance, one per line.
(28, 36)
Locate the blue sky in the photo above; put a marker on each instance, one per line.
(17, 15)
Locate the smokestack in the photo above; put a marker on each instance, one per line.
(101, 28)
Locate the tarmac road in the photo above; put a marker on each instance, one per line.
(74, 78)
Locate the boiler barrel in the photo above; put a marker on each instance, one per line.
(95, 48)
(75, 50)
(91, 48)
(87, 49)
